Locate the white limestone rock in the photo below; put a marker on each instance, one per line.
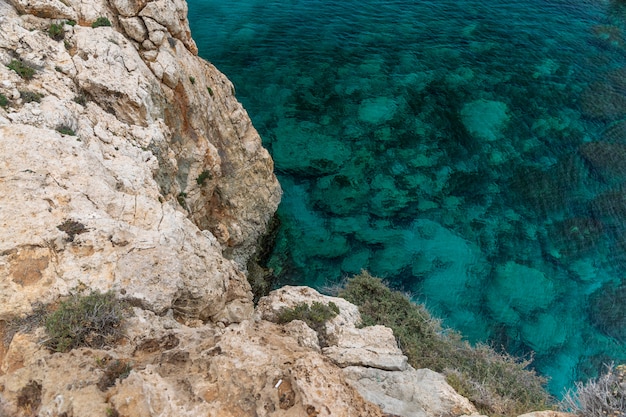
(166, 67)
(135, 28)
(132, 244)
(116, 172)
(173, 15)
(373, 346)
(412, 393)
(52, 9)
(111, 71)
(129, 7)
(305, 336)
(247, 370)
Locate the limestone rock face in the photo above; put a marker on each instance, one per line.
(54, 9)
(373, 346)
(143, 71)
(120, 177)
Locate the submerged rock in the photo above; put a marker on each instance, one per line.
(607, 311)
(574, 237)
(485, 119)
(615, 133)
(377, 110)
(517, 292)
(603, 100)
(607, 159)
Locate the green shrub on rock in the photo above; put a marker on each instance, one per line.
(65, 130)
(498, 384)
(101, 21)
(30, 97)
(22, 69)
(56, 32)
(315, 316)
(203, 177)
(85, 320)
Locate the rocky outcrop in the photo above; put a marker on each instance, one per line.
(169, 369)
(140, 82)
(128, 164)
(371, 360)
(255, 368)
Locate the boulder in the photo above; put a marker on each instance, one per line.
(485, 119)
(373, 347)
(412, 393)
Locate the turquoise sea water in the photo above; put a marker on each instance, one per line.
(470, 152)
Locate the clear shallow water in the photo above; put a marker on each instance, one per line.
(473, 153)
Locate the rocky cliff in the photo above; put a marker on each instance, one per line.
(122, 134)
(129, 166)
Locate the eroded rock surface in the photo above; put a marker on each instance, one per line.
(247, 369)
(412, 393)
(371, 360)
(157, 165)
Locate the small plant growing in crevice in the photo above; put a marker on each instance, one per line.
(70, 22)
(315, 316)
(92, 320)
(22, 69)
(204, 175)
(72, 228)
(115, 370)
(4, 101)
(80, 98)
(30, 96)
(65, 130)
(25, 324)
(181, 199)
(192, 80)
(210, 90)
(56, 32)
(100, 22)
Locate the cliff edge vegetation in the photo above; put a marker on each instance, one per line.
(498, 384)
